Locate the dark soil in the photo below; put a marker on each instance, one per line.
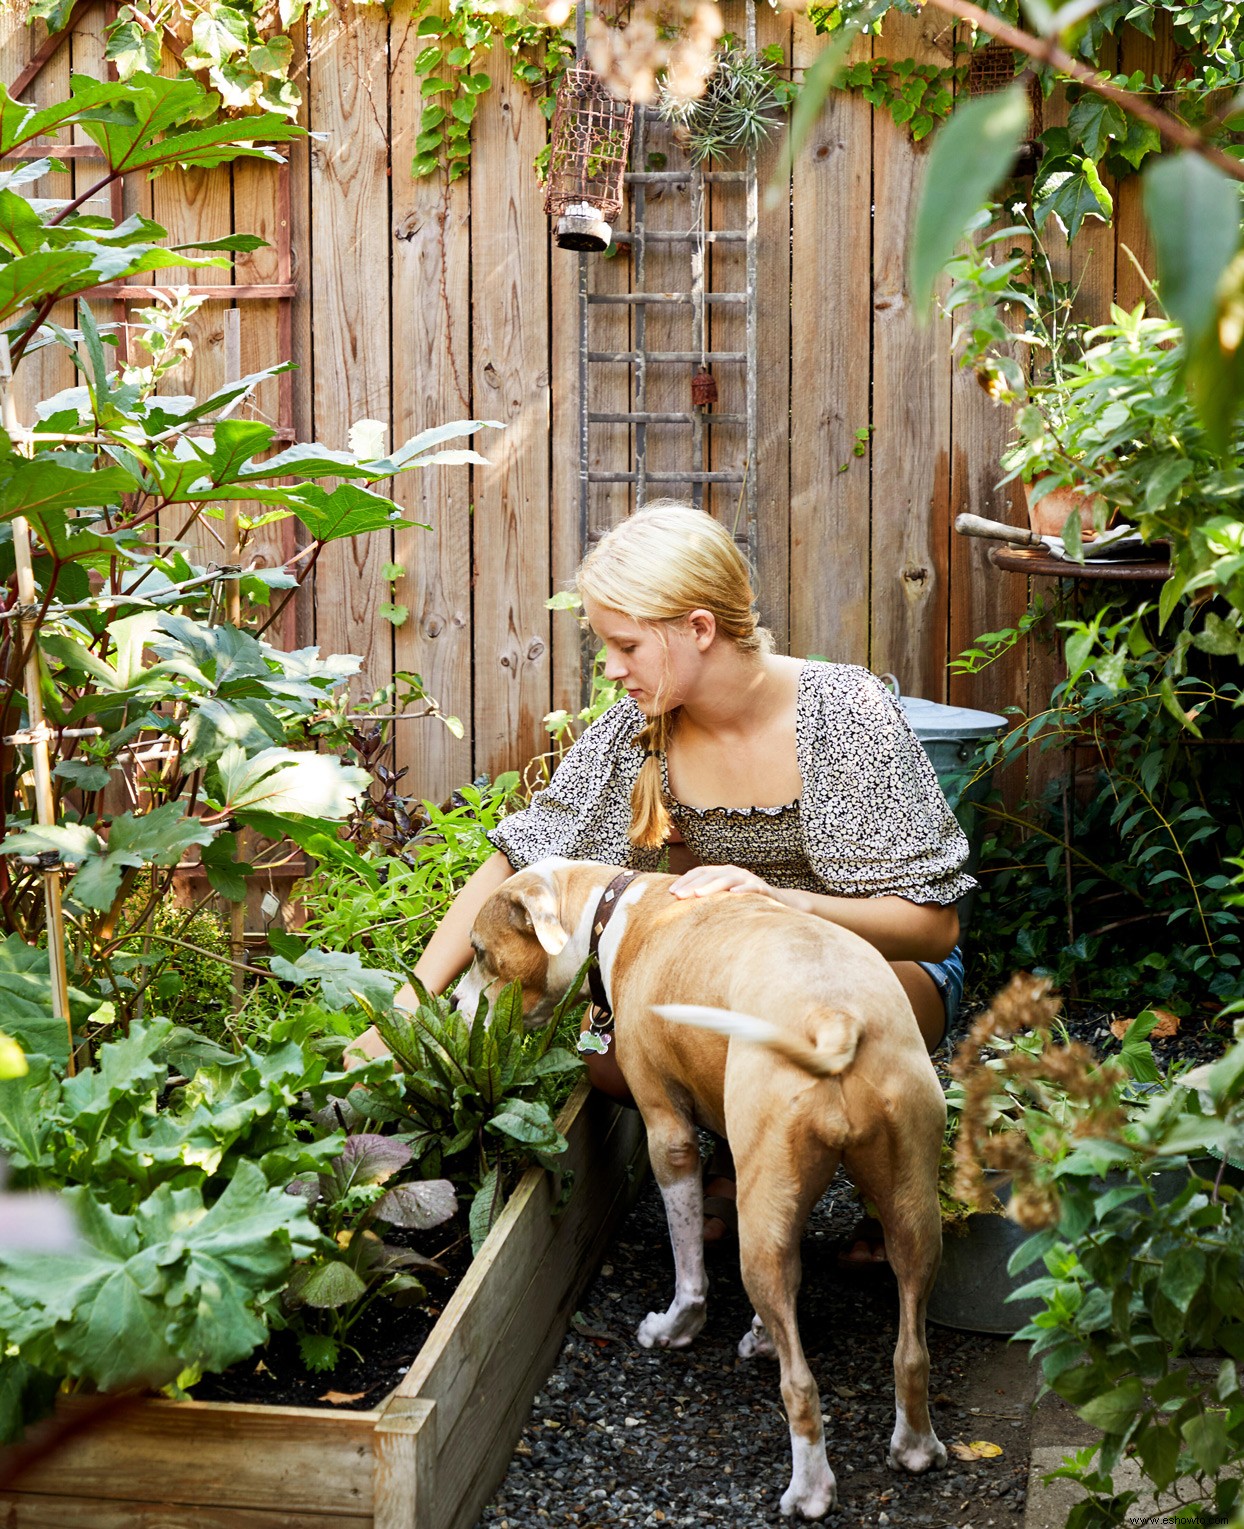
(387, 1339)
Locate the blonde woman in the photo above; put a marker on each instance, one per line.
(750, 770)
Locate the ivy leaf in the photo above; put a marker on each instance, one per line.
(1093, 122)
(971, 154)
(1071, 196)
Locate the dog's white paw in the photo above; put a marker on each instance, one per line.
(675, 1328)
(810, 1499)
(915, 1453)
(756, 1342)
(813, 1490)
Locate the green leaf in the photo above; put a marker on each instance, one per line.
(285, 781)
(158, 837)
(342, 978)
(1113, 1411)
(319, 1352)
(325, 1286)
(225, 874)
(26, 1395)
(347, 511)
(173, 1286)
(1182, 1276)
(1193, 212)
(1207, 1438)
(971, 154)
(486, 1207)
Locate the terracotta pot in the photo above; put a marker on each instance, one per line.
(1049, 515)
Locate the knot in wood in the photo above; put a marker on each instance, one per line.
(535, 649)
(491, 375)
(433, 626)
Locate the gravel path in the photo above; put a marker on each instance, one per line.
(698, 1437)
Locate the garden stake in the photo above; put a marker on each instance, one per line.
(233, 614)
(37, 734)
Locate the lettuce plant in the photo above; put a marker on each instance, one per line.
(355, 1266)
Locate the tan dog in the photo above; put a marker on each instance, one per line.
(827, 1065)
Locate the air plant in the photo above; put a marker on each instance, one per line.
(737, 110)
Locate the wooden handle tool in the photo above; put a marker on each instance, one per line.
(994, 530)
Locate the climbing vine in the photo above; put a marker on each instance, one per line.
(242, 50)
(1098, 140)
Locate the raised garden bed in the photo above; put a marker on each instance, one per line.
(429, 1457)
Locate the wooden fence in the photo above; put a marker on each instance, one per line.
(419, 302)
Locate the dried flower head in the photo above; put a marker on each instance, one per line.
(674, 37)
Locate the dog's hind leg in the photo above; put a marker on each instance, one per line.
(906, 1200)
(674, 1151)
(772, 1210)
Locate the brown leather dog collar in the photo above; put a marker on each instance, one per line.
(600, 1015)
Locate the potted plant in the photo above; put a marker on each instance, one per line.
(1015, 330)
(1019, 1085)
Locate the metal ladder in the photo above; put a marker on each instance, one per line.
(640, 358)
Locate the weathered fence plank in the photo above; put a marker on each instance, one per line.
(350, 292)
(431, 253)
(911, 407)
(830, 328)
(509, 317)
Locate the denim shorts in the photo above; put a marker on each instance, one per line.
(947, 977)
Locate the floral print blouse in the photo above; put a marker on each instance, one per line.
(871, 819)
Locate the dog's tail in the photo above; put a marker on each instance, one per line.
(833, 1055)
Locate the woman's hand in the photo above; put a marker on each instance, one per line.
(703, 880)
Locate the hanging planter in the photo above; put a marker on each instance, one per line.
(590, 142)
(992, 68)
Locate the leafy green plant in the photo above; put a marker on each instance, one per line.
(356, 1267)
(384, 906)
(1141, 1233)
(165, 1292)
(1117, 883)
(474, 1088)
(178, 1186)
(204, 725)
(243, 50)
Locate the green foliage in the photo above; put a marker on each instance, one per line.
(1118, 883)
(916, 96)
(452, 82)
(355, 1267)
(145, 1297)
(205, 723)
(383, 907)
(474, 1089)
(178, 1187)
(1140, 1278)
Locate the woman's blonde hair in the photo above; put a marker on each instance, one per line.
(658, 566)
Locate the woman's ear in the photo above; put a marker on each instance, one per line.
(703, 626)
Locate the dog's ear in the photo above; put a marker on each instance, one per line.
(534, 909)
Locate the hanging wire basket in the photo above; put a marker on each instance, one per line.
(591, 140)
(993, 68)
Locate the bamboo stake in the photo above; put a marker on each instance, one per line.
(45, 802)
(233, 614)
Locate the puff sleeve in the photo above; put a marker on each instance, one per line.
(875, 820)
(585, 811)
